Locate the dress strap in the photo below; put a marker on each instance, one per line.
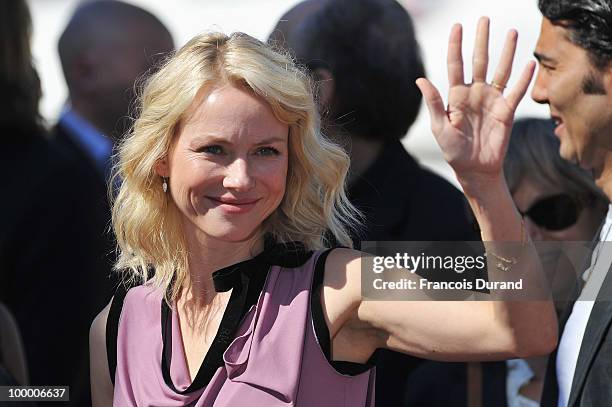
(320, 325)
(112, 328)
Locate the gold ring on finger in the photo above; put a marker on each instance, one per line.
(498, 86)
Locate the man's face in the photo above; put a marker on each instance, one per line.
(120, 60)
(578, 95)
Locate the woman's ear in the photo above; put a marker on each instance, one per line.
(162, 168)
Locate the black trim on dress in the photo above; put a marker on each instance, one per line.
(246, 279)
(321, 328)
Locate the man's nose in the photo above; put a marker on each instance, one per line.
(539, 92)
(238, 176)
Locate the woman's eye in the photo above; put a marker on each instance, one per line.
(214, 149)
(267, 151)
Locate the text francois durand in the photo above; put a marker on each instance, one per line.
(458, 264)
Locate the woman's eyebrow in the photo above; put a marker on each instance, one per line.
(211, 138)
(271, 140)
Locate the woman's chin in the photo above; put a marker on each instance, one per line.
(230, 233)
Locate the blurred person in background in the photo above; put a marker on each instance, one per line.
(365, 58)
(559, 200)
(105, 48)
(50, 274)
(560, 203)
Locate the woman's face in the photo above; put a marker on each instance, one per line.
(227, 165)
(529, 193)
(563, 256)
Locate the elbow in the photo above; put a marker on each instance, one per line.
(536, 344)
(528, 343)
(533, 333)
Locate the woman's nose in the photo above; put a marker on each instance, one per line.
(533, 230)
(238, 176)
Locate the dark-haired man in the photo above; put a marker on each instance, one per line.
(365, 58)
(106, 46)
(574, 51)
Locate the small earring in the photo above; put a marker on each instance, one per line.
(165, 184)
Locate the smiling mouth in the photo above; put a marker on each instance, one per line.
(233, 205)
(559, 126)
(233, 202)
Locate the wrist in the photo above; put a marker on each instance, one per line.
(483, 186)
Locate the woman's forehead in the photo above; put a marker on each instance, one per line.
(233, 112)
(531, 189)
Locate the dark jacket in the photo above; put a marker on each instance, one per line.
(54, 256)
(592, 383)
(403, 201)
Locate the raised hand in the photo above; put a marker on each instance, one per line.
(473, 131)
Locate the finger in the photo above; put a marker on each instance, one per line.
(518, 90)
(454, 59)
(434, 103)
(480, 59)
(504, 68)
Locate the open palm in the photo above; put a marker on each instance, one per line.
(473, 131)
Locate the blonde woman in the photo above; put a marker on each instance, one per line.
(228, 189)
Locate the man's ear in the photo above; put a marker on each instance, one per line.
(326, 87)
(607, 78)
(162, 168)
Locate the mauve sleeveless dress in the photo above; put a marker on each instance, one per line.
(272, 357)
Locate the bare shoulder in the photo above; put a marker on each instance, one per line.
(98, 326)
(341, 293)
(101, 385)
(352, 339)
(342, 265)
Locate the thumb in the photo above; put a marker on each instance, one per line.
(435, 105)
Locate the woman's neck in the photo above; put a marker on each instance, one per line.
(207, 255)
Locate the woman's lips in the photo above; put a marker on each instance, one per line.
(233, 205)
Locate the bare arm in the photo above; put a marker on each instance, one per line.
(438, 330)
(473, 134)
(101, 385)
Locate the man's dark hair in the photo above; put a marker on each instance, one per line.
(589, 23)
(371, 50)
(89, 23)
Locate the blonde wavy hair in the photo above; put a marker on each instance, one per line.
(314, 209)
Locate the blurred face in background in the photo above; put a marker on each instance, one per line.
(117, 64)
(566, 222)
(554, 214)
